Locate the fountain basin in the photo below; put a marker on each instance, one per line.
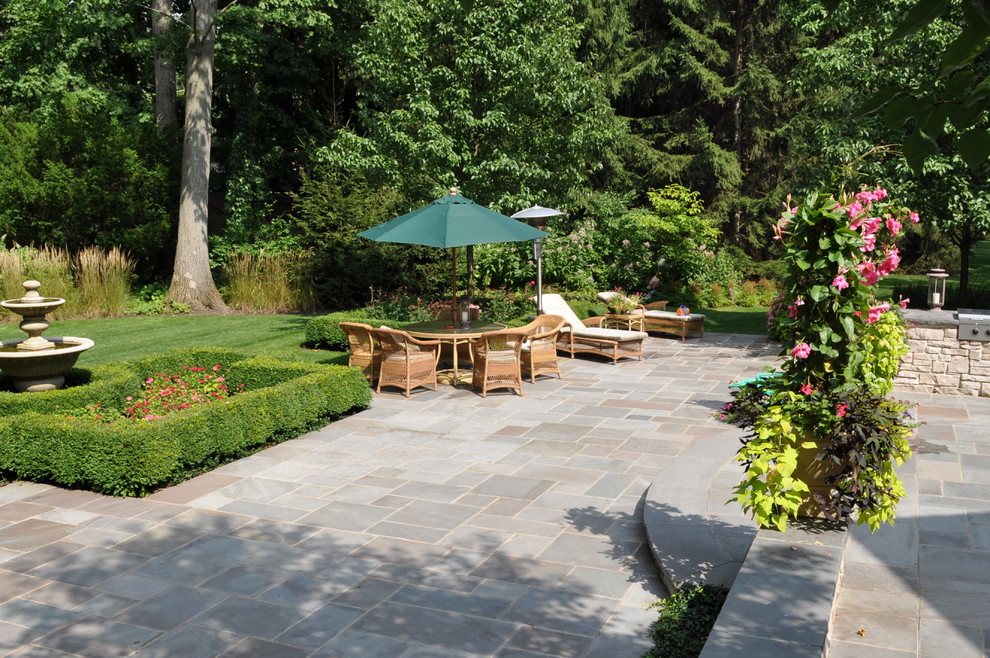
(42, 370)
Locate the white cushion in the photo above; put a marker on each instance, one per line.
(618, 335)
(554, 304)
(670, 315)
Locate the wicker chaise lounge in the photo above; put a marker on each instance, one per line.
(655, 318)
(588, 336)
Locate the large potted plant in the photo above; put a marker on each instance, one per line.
(824, 436)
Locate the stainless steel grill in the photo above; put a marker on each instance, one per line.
(974, 324)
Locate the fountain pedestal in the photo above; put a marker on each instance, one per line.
(36, 363)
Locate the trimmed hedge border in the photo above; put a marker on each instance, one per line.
(281, 400)
(324, 332)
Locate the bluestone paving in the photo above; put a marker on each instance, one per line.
(447, 524)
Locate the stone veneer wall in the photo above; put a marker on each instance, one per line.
(941, 363)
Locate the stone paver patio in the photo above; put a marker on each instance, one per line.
(451, 525)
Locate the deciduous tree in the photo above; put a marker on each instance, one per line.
(192, 281)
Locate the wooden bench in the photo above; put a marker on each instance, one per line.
(671, 323)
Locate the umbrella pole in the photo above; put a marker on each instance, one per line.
(453, 282)
(469, 251)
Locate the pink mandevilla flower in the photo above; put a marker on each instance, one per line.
(871, 225)
(801, 351)
(840, 282)
(914, 217)
(868, 271)
(893, 226)
(806, 389)
(871, 242)
(904, 302)
(890, 263)
(876, 312)
(840, 409)
(854, 209)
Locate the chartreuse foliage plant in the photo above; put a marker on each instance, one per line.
(842, 348)
(44, 437)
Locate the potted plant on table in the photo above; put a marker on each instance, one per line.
(823, 436)
(623, 303)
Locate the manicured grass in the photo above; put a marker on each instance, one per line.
(979, 262)
(130, 338)
(126, 339)
(735, 320)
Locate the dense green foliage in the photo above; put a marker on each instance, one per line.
(76, 175)
(330, 118)
(686, 619)
(44, 439)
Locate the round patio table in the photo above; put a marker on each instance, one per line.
(446, 332)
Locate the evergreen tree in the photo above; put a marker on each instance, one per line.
(707, 94)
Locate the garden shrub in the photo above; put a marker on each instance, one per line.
(686, 619)
(281, 400)
(76, 173)
(324, 332)
(100, 385)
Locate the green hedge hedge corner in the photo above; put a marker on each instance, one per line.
(324, 332)
(41, 442)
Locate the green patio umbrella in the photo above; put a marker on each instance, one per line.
(450, 222)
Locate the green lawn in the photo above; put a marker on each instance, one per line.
(979, 263)
(735, 320)
(122, 339)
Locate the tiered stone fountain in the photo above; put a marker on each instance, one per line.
(35, 363)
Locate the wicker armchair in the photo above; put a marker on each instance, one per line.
(363, 355)
(539, 352)
(496, 361)
(406, 362)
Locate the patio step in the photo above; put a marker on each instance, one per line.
(782, 584)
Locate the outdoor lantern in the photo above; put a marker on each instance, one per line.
(537, 217)
(464, 313)
(936, 288)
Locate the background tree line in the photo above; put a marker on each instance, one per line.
(325, 119)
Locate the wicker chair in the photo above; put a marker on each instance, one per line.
(363, 352)
(539, 352)
(406, 362)
(497, 362)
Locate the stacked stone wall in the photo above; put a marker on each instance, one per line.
(941, 363)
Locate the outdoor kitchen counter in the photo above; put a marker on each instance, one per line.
(946, 357)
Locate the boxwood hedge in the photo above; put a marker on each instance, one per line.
(324, 331)
(42, 440)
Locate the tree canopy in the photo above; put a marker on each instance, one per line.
(585, 106)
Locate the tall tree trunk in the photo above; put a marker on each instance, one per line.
(739, 60)
(192, 281)
(161, 23)
(966, 242)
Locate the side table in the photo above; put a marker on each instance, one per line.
(629, 321)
